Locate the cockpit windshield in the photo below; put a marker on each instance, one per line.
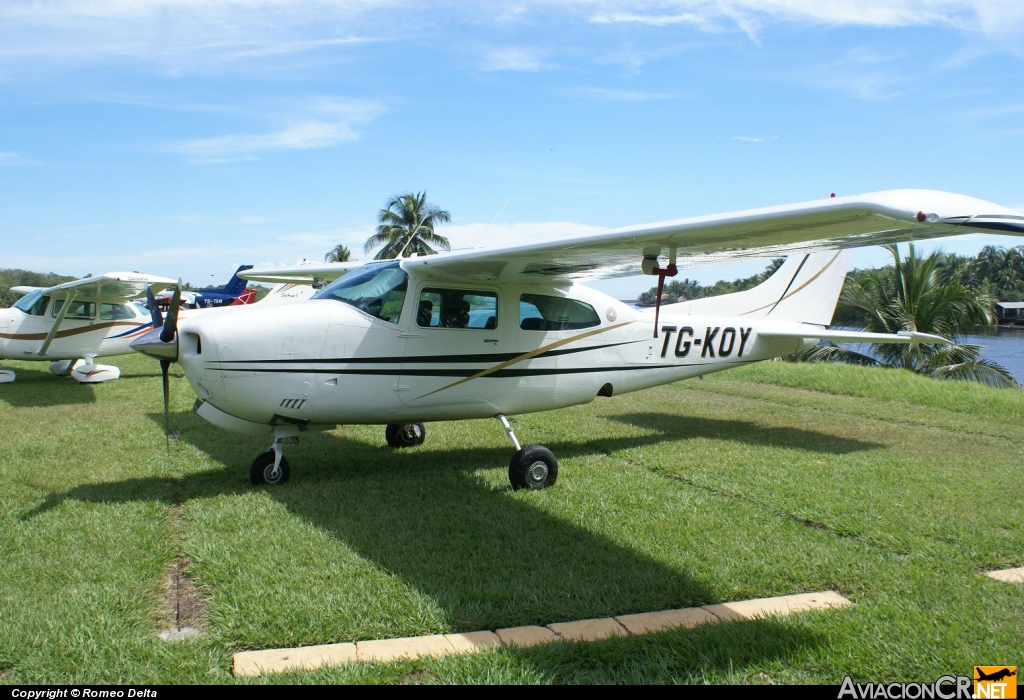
(33, 303)
(377, 289)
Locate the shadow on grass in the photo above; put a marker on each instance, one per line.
(38, 388)
(490, 558)
(674, 427)
(709, 653)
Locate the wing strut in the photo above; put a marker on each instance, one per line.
(650, 267)
(56, 324)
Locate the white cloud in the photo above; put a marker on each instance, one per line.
(698, 20)
(868, 74)
(751, 139)
(183, 35)
(614, 95)
(327, 122)
(994, 18)
(514, 58)
(14, 158)
(325, 240)
(490, 235)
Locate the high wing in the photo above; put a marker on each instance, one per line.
(112, 286)
(871, 219)
(302, 273)
(839, 222)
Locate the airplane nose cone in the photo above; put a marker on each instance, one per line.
(151, 344)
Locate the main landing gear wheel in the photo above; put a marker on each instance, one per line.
(533, 467)
(405, 435)
(262, 470)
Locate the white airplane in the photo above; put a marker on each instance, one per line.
(71, 324)
(494, 332)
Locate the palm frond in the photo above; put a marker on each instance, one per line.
(830, 352)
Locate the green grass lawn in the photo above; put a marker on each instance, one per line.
(894, 490)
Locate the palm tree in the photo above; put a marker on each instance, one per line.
(338, 254)
(911, 296)
(407, 227)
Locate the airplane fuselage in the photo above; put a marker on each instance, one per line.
(23, 334)
(325, 362)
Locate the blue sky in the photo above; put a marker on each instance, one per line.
(184, 137)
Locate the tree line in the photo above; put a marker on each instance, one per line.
(688, 289)
(997, 273)
(24, 278)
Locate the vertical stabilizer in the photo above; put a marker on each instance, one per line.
(236, 285)
(805, 289)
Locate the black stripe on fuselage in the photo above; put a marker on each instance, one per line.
(492, 357)
(500, 374)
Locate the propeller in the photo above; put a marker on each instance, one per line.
(154, 308)
(171, 327)
(162, 343)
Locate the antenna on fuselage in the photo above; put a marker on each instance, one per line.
(488, 229)
(401, 255)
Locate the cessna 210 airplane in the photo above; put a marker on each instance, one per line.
(73, 323)
(488, 333)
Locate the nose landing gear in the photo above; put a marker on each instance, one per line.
(271, 467)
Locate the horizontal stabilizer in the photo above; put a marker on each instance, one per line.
(840, 336)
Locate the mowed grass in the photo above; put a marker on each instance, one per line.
(894, 490)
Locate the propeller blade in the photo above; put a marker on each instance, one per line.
(154, 308)
(171, 326)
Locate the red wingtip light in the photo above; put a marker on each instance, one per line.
(833, 195)
(921, 216)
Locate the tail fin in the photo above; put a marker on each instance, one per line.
(805, 289)
(236, 284)
(248, 296)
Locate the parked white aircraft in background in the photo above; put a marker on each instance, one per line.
(493, 332)
(71, 324)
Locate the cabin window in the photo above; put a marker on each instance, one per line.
(539, 312)
(115, 312)
(78, 309)
(457, 308)
(33, 303)
(375, 289)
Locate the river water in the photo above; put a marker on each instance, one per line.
(1006, 348)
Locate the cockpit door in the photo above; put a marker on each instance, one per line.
(454, 345)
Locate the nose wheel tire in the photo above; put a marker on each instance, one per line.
(533, 467)
(409, 435)
(262, 470)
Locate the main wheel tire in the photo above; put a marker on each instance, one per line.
(261, 471)
(533, 467)
(409, 435)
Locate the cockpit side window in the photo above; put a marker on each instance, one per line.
(78, 309)
(457, 308)
(378, 290)
(115, 312)
(539, 312)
